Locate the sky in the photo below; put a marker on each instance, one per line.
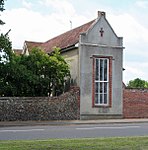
(40, 20)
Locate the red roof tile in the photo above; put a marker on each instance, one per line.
(66, 39)
(62, 41)
(18, 51)
(31, 44)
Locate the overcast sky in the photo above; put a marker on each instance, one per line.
(40, 20)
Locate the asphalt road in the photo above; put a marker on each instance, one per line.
(73, 131)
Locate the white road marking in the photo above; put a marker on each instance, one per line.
(27, 130)
(116, 127)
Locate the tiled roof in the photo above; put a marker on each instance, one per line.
(18, 51)
(66, 39)
(63, 41)
(31, 44)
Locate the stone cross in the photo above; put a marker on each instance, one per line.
(101, 32)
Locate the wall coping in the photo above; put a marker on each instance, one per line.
(136, 88)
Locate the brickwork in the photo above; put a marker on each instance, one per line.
(64, 107)
(135, 103)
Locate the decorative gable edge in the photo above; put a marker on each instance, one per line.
(25, 49)
(100, 15)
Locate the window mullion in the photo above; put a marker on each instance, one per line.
(103, 70)
(103, 80)
(99, 69)
(103, 93)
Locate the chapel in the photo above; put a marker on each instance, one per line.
(96, 63)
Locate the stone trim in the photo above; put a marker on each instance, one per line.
(101, 45)
(100, 116)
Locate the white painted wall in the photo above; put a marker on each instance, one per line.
(108, 45)
(72, 57)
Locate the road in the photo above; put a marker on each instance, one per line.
(73, 131)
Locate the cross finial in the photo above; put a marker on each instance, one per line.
(101, 32)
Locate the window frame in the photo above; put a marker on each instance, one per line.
(109, 81)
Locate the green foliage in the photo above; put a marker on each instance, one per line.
(35, 75)
(1, 9)
(137, 83)
(5, 48)
(2, 5)
(5, 44)
(146, 84)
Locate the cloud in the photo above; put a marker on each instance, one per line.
(27, 4)
(135, 70)
(142, 4)
(64, 12)
(63, 7)
(135, 39)
(126, 25)
(26, 24)
(135, 35)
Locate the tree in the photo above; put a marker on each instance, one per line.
(5, 48)
(50, 71)
(137, 83)
(5, 44)
(1, 9)
(35, 75)
(60, 71)
(146, 84)
(5, 52)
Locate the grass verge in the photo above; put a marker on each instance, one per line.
(120, 143)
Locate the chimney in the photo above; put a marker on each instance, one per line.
(101, 13)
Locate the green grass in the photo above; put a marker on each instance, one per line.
(125, 143)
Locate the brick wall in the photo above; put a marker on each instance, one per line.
(135, 103)
(64, 107)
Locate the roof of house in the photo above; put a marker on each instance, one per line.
(31, 44)
(17, 51)
(63, 41)
(66, 39)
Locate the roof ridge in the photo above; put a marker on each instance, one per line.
(63, 40)
(33, 41)
(70, 30)
(68, 38)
